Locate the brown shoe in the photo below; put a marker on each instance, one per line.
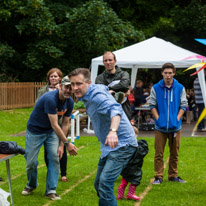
(53, 196)
(27, 191)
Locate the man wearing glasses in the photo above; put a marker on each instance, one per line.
(168, 103)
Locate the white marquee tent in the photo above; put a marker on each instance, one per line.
(151, 53)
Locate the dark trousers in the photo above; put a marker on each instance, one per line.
(63, 162)
(133, 171)
(127, 109)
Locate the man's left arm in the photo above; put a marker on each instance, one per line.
(65, 129)
(123, 85)
(183, 104)
(112, 138)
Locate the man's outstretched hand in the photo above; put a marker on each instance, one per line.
(72, 149)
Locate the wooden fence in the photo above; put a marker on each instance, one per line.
(19, 95)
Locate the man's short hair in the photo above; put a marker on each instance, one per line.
(139, 81)
(111, 53)
(168, 66)
(84, 71)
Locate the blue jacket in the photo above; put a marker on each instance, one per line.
(168, 102)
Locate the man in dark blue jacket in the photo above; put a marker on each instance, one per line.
(168, 103)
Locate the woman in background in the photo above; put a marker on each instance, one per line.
(54, 76)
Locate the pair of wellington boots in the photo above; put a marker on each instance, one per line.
(131, 192)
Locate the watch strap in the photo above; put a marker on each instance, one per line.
(66, 143)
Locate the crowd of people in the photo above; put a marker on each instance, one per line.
(109, 102)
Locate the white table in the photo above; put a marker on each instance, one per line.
(139, 113)
(6, 157)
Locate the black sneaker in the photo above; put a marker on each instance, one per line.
(27, 191)
(177, 179)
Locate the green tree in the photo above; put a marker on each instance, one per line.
(97, 28)
(190, 21)
(39, 35)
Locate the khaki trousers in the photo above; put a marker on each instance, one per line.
(174, 144)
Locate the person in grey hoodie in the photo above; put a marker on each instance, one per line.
(168, 103)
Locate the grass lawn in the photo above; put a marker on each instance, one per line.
(79, 191)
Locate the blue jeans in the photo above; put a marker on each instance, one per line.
(109, 168)
(33, 145)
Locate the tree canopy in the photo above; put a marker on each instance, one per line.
(37, 35)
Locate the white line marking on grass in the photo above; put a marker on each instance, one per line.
(12, 178)
(77, 150)
(19, 175)
(72, 187)
(39, 166)
(149, 187)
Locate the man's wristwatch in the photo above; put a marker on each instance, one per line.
(113, 130)
(66, 143)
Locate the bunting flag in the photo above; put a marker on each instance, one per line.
(201, 117)
(194, 66)
(202, 41)
(204, 66)
(196, 57)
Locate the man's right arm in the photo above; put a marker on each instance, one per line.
(153, 103)
(53, 118)
(155, 113)
(57, 129)
(112, 138)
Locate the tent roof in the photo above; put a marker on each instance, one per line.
(151, 53)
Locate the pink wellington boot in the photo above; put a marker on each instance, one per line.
(121, 189)
(131, 193)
